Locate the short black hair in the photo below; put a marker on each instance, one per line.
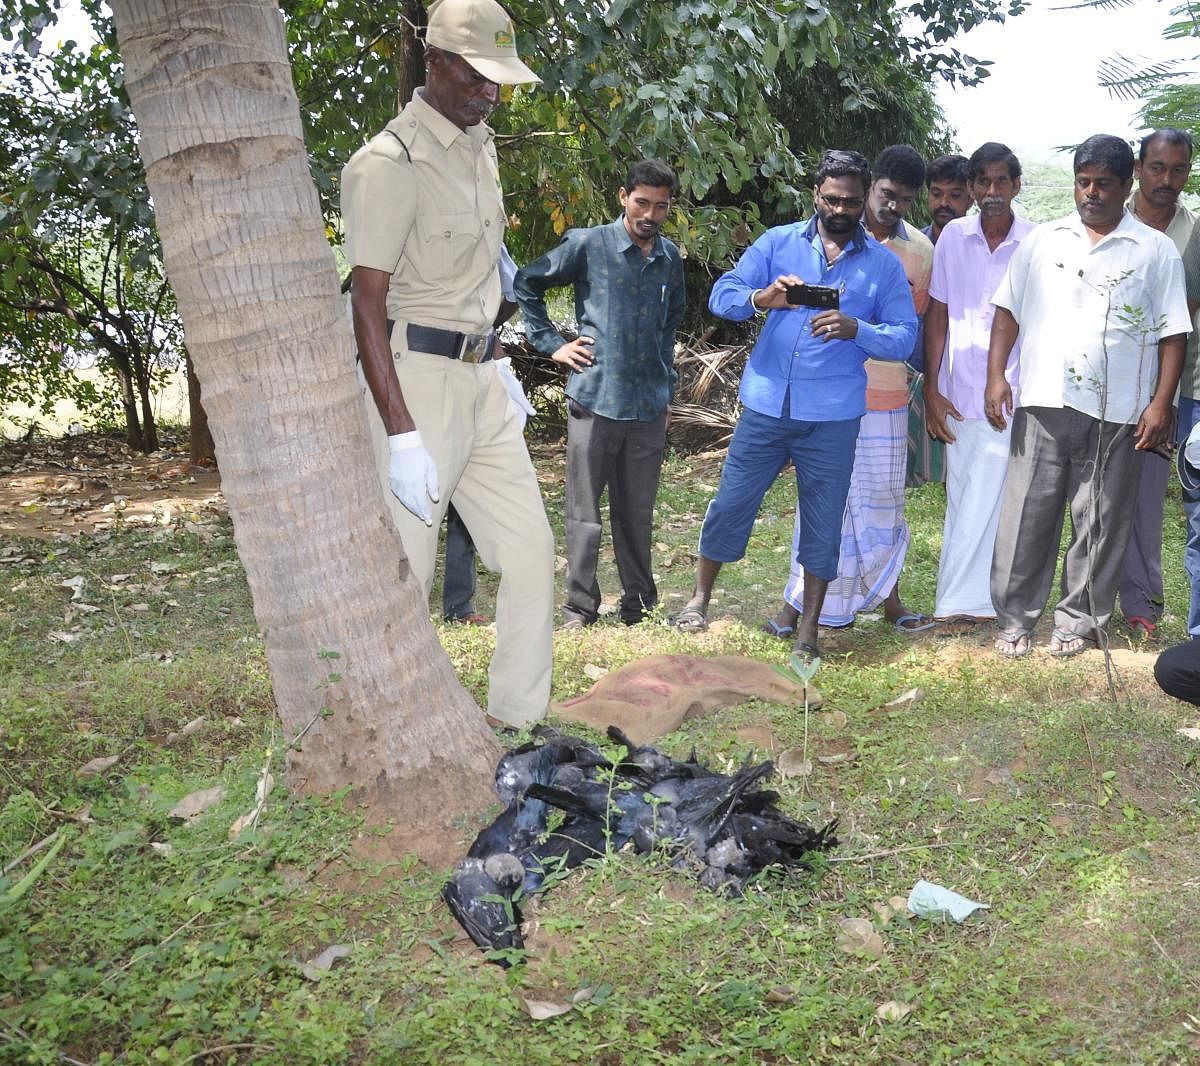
(843, 163)
(993, 152)
(948, 168)
(1168, 134)
(1107, 152)
(652, 172)
(902, 163)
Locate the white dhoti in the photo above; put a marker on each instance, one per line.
(975, 467)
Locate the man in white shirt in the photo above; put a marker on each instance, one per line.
(1097, 299)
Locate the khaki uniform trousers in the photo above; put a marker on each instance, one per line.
(475, 436)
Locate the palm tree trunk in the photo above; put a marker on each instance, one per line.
(257, 289)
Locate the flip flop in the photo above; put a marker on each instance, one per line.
(691, 620)
(958, 625)
(1008, 643)
(1141, 624)
(502, 728)
(1062, 636)
(807, 652)
(923, 622)
(774, 629)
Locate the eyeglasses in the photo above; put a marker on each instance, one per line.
(850, 203)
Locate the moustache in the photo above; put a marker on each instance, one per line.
(991, 201)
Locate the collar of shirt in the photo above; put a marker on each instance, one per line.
(1179, 229)
(1124, 230)
(858, 239)
(625, 242)
(975, 229)
(442, 128)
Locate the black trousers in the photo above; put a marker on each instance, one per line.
(626, 458)
(1177, 671)
(458, 579)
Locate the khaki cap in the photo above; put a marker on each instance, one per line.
(482, 33)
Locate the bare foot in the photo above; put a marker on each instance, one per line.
(1012, 643)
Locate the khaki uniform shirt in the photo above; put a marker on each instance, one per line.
(422, 201)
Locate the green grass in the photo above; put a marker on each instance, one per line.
(1019, 784)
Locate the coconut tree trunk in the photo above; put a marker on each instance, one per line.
(257, 289)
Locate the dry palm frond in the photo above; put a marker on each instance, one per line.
(694, 428)
(706, 407)
(1133, 78)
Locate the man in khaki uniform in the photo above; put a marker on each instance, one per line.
(424, 221)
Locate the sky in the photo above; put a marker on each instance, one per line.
(1043, 89)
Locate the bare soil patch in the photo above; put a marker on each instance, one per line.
(83, 484)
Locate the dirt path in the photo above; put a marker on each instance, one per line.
(86, 483)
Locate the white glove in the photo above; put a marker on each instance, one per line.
(513, 387)
(411, 474)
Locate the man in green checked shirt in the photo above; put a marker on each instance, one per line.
(629, 300)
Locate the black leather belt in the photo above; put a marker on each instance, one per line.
(469, 347)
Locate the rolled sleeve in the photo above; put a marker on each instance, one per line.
(565, 264)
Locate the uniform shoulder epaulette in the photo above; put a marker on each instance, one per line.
(391, 145)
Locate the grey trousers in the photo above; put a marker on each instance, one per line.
(1052, 461)
(1141, 578)
(626, 457)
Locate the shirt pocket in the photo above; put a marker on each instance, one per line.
(857, 298)
(450, 244)
(1134, 306)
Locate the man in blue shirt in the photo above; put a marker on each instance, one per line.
(629, 299)
(804, 387)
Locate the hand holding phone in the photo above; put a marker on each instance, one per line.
(804, 295)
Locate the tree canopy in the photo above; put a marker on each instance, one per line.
(739, 96)
(80, 269)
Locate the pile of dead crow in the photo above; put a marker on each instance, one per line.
(723, 827)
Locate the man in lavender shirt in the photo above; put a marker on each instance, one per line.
(969, 262)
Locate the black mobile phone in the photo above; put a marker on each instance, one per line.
(812, 296)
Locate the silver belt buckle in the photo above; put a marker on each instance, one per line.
(475, 347)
